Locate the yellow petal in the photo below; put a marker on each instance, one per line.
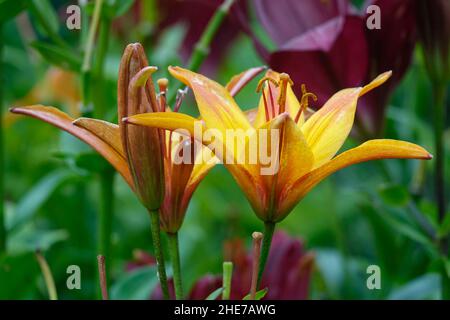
(106, 131)
(61, 120)
(370, 150)
(217, 107)
(328, 128)
(165, 120)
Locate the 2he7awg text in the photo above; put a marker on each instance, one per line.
(225, 309)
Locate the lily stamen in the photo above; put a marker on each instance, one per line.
(259, 88)
(163, 84)
(284, 80)
(304, 102)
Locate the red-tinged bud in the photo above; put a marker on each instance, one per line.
(143, 146)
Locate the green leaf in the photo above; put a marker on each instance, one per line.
(57, 55)
(119, 8)
(408, 230)
(444, 228)
(395, 195)
(10, 8)
(37, 196)
(215, 294)
(45, 15)
(28, 238)
(91, 162)
(135, 285)
(259, 294)
(425, 287)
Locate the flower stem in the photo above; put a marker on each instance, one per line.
(175, 257)
(106, 215)
(156, 237)
(257, 238)
(439, 92)
(2, 171)
(48, 277)
(226, 280)
(201, 49)
(102, 276)
(86, 68)
(269, 228)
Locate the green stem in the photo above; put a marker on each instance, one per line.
(156, 237)
(201, 49)
(86, 69)
(269, 228)
(175, 258)
(439, 93)
(98, 69)
(226, 280)
(2, 165)
(48, 277)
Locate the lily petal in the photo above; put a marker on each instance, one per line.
(165, 120)
(327, 129)
(293, 161)
(217, 107)
(106, 131)
(63, 121)
(370, 150)
(238, 82)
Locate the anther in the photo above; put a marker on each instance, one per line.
(304, 102)
(263, 80)
(163, 84)
(181, 93)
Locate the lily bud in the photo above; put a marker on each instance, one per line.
(142, 146)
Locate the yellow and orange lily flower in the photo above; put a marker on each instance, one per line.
(307, 147)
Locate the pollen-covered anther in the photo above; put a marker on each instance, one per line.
(304, 101)
(163, 84)
(263, 81)
(266, 104)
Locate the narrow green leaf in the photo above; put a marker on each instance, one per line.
(11, 8)
(58, 56)
(135, 285)
(259, 294)
(37, 196)
(215, 294)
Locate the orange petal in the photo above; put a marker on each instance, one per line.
(217, 107)
(61, 120)
(327, 129)
(238, 82)
(370, 150)
(107, 131)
